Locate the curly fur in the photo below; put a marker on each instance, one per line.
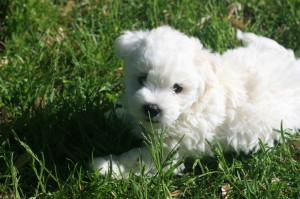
(237, 98)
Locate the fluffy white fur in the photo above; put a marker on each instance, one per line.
(237, 98)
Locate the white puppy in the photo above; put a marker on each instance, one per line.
(236, 98)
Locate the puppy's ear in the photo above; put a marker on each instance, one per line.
(208, 64)
(128, 43)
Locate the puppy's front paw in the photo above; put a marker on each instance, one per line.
(104, 164)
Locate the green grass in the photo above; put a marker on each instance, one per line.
(59, 76)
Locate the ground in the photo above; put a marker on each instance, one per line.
(60, 82)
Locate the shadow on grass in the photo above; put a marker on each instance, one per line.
(69, 135)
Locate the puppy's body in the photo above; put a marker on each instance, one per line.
(237, 98)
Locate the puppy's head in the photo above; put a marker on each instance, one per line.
(165, 73)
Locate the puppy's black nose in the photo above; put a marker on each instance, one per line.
(151, 109)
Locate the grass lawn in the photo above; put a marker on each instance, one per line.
(59, 78)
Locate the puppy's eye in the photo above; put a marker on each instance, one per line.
(177, 88)
(142, 79)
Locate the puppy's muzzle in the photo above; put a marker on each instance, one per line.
(151, 109)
